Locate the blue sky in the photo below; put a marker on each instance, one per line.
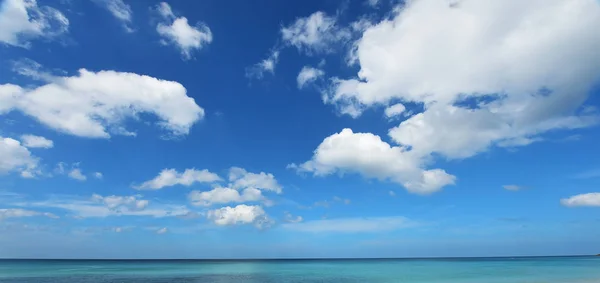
(211, 129)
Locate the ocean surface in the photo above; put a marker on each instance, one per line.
(471, 270)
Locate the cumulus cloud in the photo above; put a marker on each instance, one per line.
(76, 174)
(92, 104)
(307, 75)
(17, 158)
(240, 214)
(19, 212)
(240, 178)
(515, 54)
(24, 20)
(317, 33)
(177, 31)
(220, 195)
(368, 155)
(590, 199)
(170, 177)
(32, 141)
(530, 69)
(120, 11)
(98, 175)
(351, 225)
(394, 110)
(72, 171)
(162, 230)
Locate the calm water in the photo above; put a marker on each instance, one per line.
(483, 270)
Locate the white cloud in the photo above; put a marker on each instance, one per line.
(372, 3)
(32, 141)
(177, 31)
(98, 175)
(317, 33)
(392, 193)
(220, 195)
(590, 174)
(265, 66)
(308, 75)
(18, 212)
(241, 178)
(170, 177)
(456, 132)
(32, 69)
(344, 200)
(368, 155)
(351, 225)
(512, 56)
(394, 110)
(24, 20)
(76, 174)
(17, 158)
(104, 206)
(114, 202)
(399, 59)
(590, 199)
(512, 187)
(162, 230)
(289, 218)
(93, 104)
(531, 66)
(240, 214)
(119, 10)
(72, 171)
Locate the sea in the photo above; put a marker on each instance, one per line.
(449, 270)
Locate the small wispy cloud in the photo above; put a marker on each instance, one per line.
(351, 225)
(590, 174)
(512, 187)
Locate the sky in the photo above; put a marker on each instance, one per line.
(278, 129)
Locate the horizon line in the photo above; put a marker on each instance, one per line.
(295, 258)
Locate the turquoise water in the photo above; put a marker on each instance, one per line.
(480, 270)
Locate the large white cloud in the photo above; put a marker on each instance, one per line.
(368, 155)
(177, 31)
(94, 104)
(224, 195)
(487, 73)
(590, 199)
(240, 214)
(23, 20)
(317, 33)
(479, 47)
(170, 177)
(14, 157)
(240, 178)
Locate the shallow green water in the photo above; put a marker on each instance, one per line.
(480, 270)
